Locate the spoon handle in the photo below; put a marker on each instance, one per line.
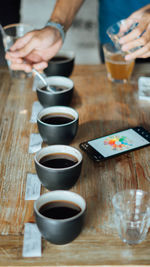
(43, 80)
(40, 76)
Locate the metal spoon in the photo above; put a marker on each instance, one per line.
(43, 80)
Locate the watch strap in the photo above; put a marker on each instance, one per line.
(58, 26)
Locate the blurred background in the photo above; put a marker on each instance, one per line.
(82, 37)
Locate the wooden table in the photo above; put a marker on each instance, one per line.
(103, 109)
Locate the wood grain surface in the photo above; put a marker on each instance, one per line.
(103, 108)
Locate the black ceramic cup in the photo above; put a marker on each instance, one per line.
(58, 124)
(62, 64)
(58, 166)
(60, 216)
(63, 91)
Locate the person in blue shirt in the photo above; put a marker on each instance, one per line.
(36, 48)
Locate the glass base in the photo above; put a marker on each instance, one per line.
(115, 80)
(133, 237)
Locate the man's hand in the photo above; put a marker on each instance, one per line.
(35, 49)
(139, 36)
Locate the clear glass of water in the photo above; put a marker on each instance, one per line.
(11, 33)
(132, 215)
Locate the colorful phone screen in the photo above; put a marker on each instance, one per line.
(117, 143)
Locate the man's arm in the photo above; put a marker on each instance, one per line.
(65, 11)
(36, 48)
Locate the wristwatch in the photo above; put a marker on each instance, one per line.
(58, 26)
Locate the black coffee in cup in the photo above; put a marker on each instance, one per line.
(58, 124)
(58, 166)
(59, 215)
(59, 209)
(57, 118)
(58, 160)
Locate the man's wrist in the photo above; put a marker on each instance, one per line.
(57, 26)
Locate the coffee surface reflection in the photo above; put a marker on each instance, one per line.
(57, 119)
(60, 210)
(58, 161)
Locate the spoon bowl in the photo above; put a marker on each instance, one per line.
(62, 95)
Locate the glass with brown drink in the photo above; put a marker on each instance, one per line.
(118, 69)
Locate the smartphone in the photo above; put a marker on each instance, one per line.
(115, 144)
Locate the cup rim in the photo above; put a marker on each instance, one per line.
(65, 193)
(139, 191)
(117, 52)
(16, 24)
(113, 25)
(58, 78)
(68, 53)
(58, 109)
(64, 147)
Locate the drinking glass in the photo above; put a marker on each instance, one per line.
(118, 69)
(115, 34)
(132, 215)
(11, 33)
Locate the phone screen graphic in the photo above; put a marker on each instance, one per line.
(117, 143)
